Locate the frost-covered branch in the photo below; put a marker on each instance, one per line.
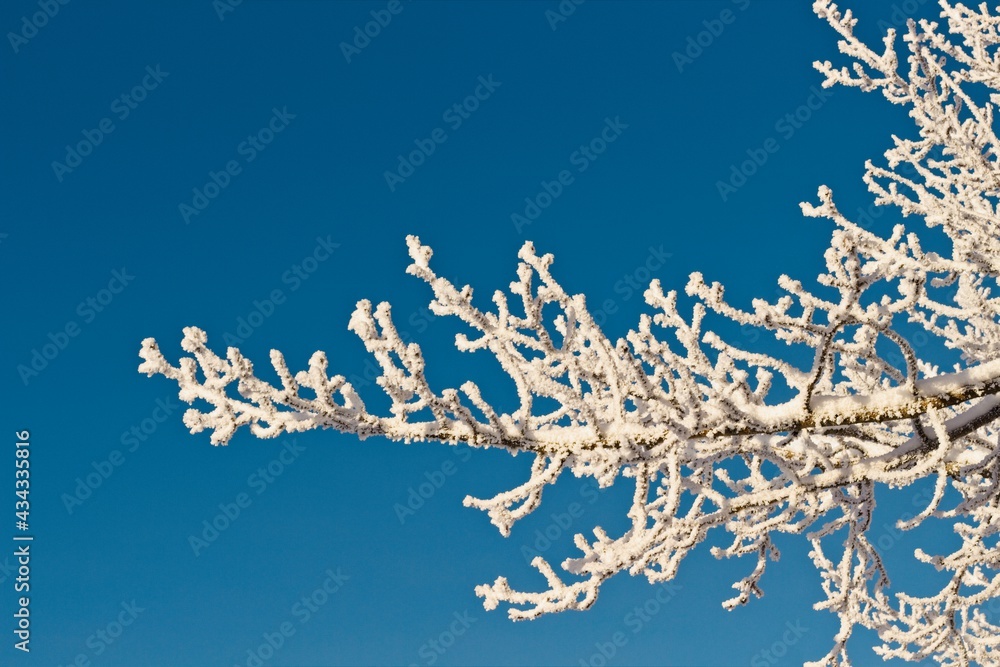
(718, 437)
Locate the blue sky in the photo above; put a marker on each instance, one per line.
(253, 169)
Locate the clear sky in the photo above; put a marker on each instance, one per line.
(253, 169)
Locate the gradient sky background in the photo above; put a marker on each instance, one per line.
(653, 189)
